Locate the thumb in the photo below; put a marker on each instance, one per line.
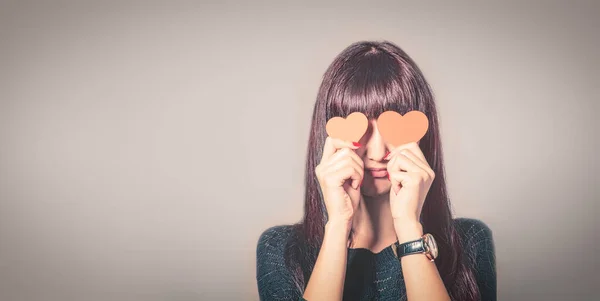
(398, 180)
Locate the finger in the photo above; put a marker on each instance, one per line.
(345, 152)
(398, 180)
(345, 170)
(332, 145)
(416, 149)
(328, 149)
(347, 157)
(343, 156)
(413, 146)
(424, 165)
(402, 162)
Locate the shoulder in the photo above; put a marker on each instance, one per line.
(273, 240)
(477, 238)
(472, 230)
(478, 246)
(274, 279)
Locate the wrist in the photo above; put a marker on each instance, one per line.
(337, 234)
(408, 230)
(338, 227)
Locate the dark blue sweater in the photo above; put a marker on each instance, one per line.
(370, 276)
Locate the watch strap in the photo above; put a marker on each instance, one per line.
(411, 247)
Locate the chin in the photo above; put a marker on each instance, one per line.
(376, 189)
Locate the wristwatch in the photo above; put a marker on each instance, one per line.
(424, 245)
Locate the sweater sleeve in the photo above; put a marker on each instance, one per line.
(274, 280)
(479, 245)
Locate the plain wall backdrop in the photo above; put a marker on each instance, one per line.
(145, 146)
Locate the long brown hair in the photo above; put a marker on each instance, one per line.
(374, 77)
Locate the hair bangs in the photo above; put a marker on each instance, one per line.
(374, 84)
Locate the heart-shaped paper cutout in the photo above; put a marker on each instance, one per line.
(351, 128)
(397, 129)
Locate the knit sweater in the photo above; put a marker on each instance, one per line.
(370, 276)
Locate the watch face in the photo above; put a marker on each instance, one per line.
(431, 245)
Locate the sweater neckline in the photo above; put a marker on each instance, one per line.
(384, 256)
(388, 248)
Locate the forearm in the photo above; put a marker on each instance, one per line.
(421, 276)
(327, 278)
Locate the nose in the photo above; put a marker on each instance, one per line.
(376, 148)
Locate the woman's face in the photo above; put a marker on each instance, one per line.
(372, 152)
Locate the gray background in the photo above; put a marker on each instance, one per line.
(145, 146)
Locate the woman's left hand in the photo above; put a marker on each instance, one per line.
(411, 177)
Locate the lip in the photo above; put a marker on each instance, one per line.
(377, 172)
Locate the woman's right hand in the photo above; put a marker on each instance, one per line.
(340, 173)
(339, 164)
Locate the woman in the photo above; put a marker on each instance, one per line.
(356, 218)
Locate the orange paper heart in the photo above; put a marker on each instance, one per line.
(351, 128)
(397, 129)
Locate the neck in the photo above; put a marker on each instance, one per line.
(373, 225)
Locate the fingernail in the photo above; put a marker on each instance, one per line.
(356, 143)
